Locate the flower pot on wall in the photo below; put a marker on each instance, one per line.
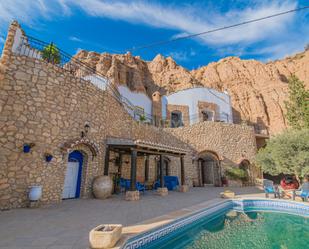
(35, 193)
(48, 157)
(27, 147)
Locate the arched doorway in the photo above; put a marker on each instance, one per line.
(73, 175)
(209, 169)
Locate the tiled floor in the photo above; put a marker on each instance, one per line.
(66, 226)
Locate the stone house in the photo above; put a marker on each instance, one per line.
(85, 126)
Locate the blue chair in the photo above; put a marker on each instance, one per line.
(269, 188)
(124, 184)
(140, 187)
(303, 192)
(156, 184)
(170, 182)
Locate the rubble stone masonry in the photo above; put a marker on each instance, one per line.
(49, 107)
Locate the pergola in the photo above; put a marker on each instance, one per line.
(141, 147)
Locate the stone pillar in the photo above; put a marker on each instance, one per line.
(162, 190)
(157, 108)
(8, 45)
(183, 187)
(106, 161)
(133, 194)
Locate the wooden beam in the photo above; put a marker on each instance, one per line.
(146, 168)
(161, 172)
(120, 164)
(106, 161)
(133, 170)
(182, 169)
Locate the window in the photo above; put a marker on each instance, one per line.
(208, 115)
(176, 119)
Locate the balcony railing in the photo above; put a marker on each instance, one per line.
(34, 48)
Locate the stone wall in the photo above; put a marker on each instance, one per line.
(49, 107)
(232, 143)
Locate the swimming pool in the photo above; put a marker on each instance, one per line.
(257, 223)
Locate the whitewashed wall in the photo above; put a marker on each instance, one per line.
(190, 97)
(137, 99)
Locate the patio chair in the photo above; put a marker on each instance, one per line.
(269, 188)
(124, 184)
(303, 192)
(140, 187)
(171, 182)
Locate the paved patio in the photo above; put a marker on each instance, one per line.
(66, 225)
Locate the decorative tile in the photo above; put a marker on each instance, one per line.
(237, 205)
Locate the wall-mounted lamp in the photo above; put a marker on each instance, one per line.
(27, 147)
(86, 130)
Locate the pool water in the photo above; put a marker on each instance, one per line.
(254, 230)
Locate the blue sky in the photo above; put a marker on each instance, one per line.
(115, 26)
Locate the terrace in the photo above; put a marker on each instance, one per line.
(66, 225)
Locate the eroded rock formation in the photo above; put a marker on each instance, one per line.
(258, 90)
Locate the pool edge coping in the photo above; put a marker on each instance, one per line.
(191, 211)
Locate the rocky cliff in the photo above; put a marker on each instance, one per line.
(257, 90)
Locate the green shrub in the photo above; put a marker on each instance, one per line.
(51, 54)
(286, 153)
(237, 174)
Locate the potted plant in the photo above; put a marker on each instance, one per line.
(27, 147)
(105, 236)
(51, 54)
(142, 118)
(236, 176)
(48, 157)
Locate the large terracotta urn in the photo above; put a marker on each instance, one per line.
(102, 187)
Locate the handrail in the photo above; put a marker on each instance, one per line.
(35, 48)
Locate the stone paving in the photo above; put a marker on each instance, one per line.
(66, 225)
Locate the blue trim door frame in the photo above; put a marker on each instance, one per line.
(77, 156)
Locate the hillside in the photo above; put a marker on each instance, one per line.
(257, 90)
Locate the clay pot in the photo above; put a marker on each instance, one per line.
(102, 187)
(35, 193)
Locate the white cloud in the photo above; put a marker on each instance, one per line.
(74, 38)
(1, 40)
(190, 20)
(183, 19)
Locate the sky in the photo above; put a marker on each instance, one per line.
(116, 26)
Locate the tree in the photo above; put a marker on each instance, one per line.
(287, 153)
(298, 104)
(51, 54)
(307, 47)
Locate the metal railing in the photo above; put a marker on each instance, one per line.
(50, 53)
(34, 48)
